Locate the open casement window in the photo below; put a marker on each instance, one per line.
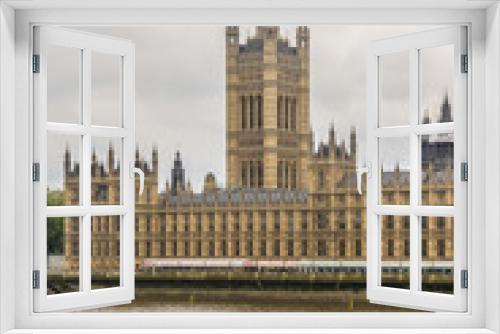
(417, 155)
(84, 130)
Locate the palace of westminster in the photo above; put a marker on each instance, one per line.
(287, 207)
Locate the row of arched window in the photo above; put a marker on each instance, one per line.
(252, 108)
(262, 247)
(252, 174)
(287, 174)
(287, 113)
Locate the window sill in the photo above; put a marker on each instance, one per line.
(248, 331)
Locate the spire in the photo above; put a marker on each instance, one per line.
(111, 157)
(177, 175)
(155, 159)
(67, 159)
(445, 115)
(426, 119)
(331, 137)
(352, 143)
(177, 159)
(342, 149)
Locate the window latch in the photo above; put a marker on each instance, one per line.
(359, 172)
(134, 170)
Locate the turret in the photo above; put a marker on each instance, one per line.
(302, 36)
(210, 183)
(232, 36)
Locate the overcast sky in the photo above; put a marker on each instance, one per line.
(180, 90)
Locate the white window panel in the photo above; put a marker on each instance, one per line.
(74, 52)
(412, 123)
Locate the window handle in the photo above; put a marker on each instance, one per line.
(359, 172)
(134, 170)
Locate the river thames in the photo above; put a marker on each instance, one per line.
(167, 296)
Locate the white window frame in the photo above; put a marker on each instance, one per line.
(456, 36)
(88, 43)
(16, 304)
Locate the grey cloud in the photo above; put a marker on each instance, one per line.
(180, 73)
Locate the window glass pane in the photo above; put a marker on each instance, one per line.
(394, 171)
(63, 169)
(437, 169)
(105, 252)
(395, 251)
(437, 254)
(106, 164)
(106, 89)
(63, 255)
(63, 84)
(436, 84)
(394, 91)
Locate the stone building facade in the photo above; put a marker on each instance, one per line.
(287, 207)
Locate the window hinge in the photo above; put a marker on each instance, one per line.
(464, 171)
(36, 64)
(36, 172)
(465, 64)
(36, 279)
(465, 279)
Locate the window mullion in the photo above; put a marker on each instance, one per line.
(86, 177)
(86, 258)
(127, 236)
(414, 171)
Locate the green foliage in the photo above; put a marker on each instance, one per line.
(55, 197)
(55, 226)
(55, 236)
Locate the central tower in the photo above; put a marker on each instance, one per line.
(268, 135)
